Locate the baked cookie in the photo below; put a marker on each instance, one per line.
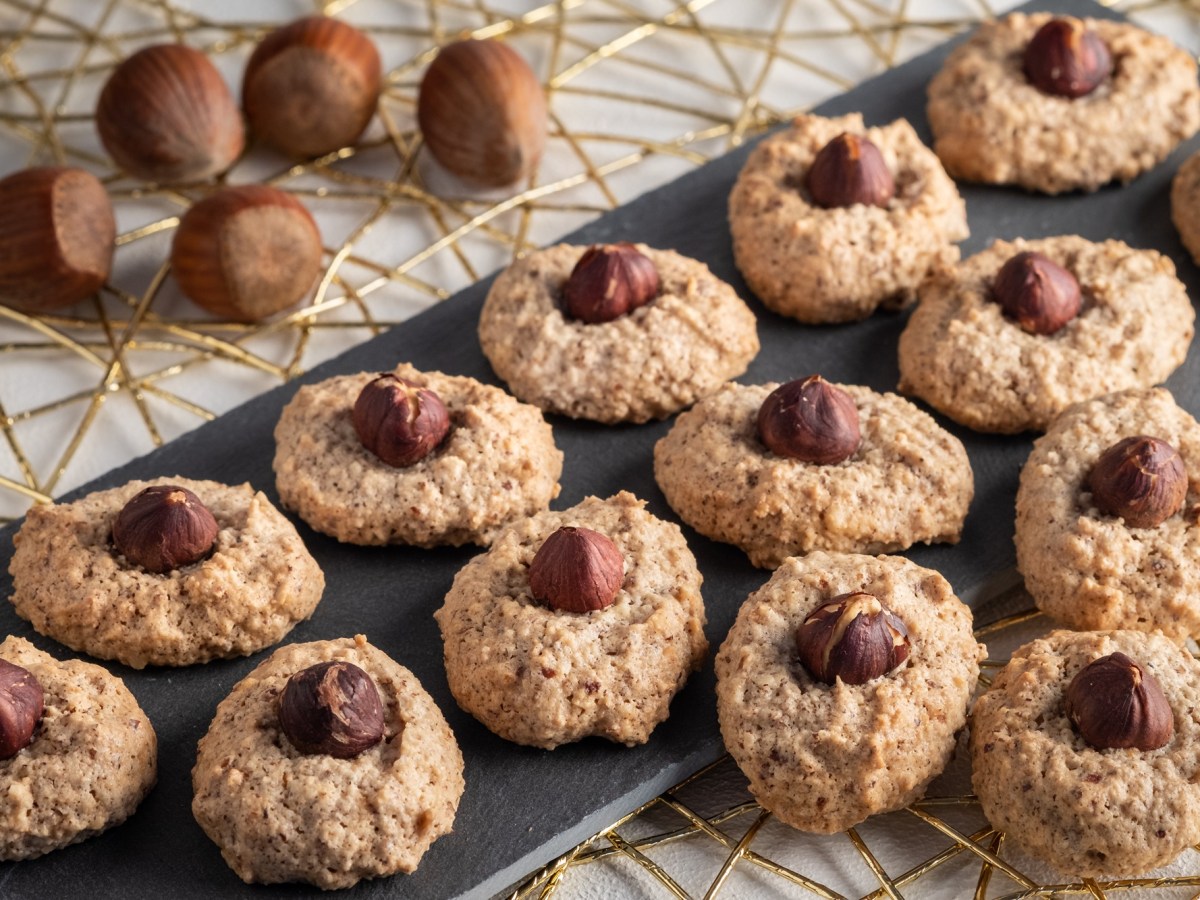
(92, 755)
(1085, 811)
(1095, 570)
(497, 463)
(823, 755)
(540, 675)
(1185, 204)
(991, 124)
(840, 264)
(254, 581)
(279, 814)
(685, 332)
(964, 355)
(908, 481)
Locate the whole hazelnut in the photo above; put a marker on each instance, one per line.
(853, 637)
(246, 252)
(1142, 479)
(850, 170)
(311, 87)
(576, 570)
(1115, 703)
(331, 708)
(1067, 59)
(1036, 292)
(164, 527)
(166, 115)
(57, 235)
(811, 420)
(608, 281)
(482, 112)
(21, 707)
(399, 421)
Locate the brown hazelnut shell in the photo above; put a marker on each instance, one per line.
(576, 570)
(609, 281)
(1067, 59)
(854, 638)
(1142, 479)
(21, 707)
(164, 527)
(1037, 293)
(811, 420)
(850, 170)
(1117, 704)
(398, 420)
(331, 708)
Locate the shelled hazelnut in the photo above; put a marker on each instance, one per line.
(164, 527)
(1142, 479)
(166, 115)
(1065, 58)
(246, 252)
(331, 708)
(576, 570)
(811, 420)
(1037, 293)
(482, 112)
(311, 87)
(21, 707)
(609, 281)
(853, 637)
(1115, 703)
(399, 421)
(850, 170)
(57, 234)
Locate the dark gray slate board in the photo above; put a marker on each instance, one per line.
(523, 806)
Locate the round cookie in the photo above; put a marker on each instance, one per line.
(92, 760)
(543, 677)
(71, 584)
(1185, 204)
(280, 815)
(1087, 812)
(961, 354)
(841, 264)
(1092, 571)
(498, 463)
(991, 125)
(645, 365)
(910, 481)
(825, 757)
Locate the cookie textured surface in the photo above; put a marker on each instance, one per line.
(991, 125)
(544, 677)
(963, 356)
(1185, 204)
(693, 335)
(824, 757)
(1084, 811)
(92, 759)
(1092, 571)
(71, 584)
(280, 815)
(841, 264)
(497, 464)
(910, 481)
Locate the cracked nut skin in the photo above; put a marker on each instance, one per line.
(1037, 293)
(482, 112)
(853, 637)
(850, 170)
(166, 115)
(811, 420)
(400, 421)
(21, 706)
(1115, 704)
(164, 527)
(576, 570)
(331, 708)
(1067, 59)
(609, 281)
(1142, 479)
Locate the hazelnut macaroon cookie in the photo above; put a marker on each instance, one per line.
(167, 573)
(832, 220)
(1015, 334)
(614, 332)
(779, 470)
(1057, 104)
(329, 763)
(77, 754)
(841, 685)
(411, 457)
(1085, 751)
(575, 623)
(1185, 205)
(1107, 513)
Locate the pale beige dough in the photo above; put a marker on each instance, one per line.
(1185, 204)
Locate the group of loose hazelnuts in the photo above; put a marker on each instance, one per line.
(245, 252)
